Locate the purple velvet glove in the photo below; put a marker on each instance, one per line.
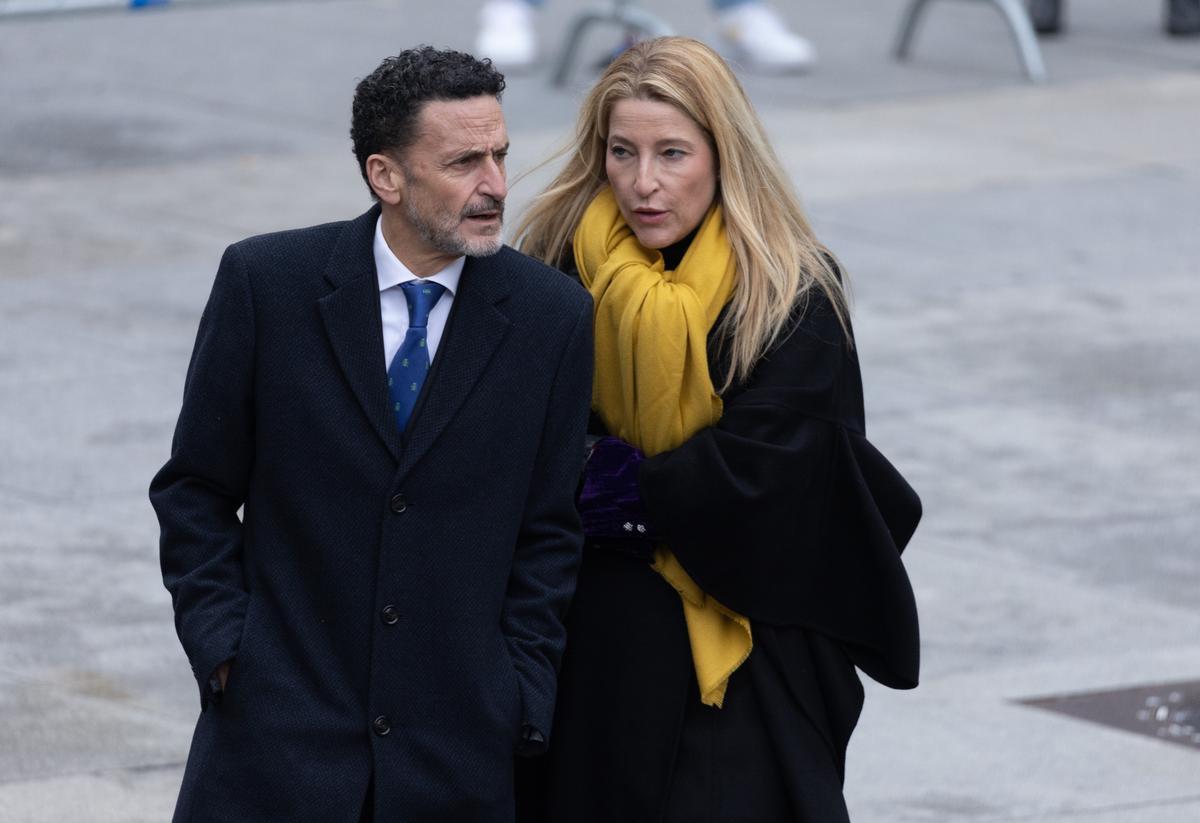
(610, 502)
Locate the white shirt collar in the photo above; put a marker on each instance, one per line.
(391, 272)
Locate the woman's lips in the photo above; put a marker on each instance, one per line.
(650, 216)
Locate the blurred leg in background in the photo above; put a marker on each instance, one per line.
(1046, 15)
(1182, 17)
(507, 32)
(750, 32)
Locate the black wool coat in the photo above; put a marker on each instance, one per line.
(782, 511)
(392, 604)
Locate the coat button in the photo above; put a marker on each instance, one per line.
(398, 504)
(390, 615)
(382, 725)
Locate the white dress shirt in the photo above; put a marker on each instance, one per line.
(394, 306)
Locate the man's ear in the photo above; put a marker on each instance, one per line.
(386, 178)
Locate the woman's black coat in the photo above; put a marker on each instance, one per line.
(783, 512)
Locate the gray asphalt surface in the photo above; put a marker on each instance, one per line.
(1025, 270)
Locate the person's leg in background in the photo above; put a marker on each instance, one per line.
(1046, 16)
(507, 33)
(1182, 17)
(751, 32)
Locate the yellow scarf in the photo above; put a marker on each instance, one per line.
(652, 387)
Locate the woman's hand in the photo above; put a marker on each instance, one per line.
(610, 502)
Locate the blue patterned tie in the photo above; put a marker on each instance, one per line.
(411, 363)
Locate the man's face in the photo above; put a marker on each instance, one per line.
(454, 179)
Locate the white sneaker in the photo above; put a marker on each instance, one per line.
(755, 36)
(506, 33)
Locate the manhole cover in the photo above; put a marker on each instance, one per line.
(1168, 711)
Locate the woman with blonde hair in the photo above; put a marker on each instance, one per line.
(743, 537)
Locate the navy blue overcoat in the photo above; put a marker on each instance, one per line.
(392, 604)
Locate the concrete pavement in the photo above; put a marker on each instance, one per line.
(1025, 271)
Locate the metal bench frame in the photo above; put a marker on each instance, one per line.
(636, 21)
(1015, 14)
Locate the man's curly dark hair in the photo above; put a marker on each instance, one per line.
(388, 102)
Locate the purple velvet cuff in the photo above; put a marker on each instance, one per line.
(610, 502)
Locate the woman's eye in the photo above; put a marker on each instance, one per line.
(673, 153)
(618, 151)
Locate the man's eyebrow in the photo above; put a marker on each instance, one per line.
(474, 154)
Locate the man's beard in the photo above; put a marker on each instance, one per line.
(443, 232)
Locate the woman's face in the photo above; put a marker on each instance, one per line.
(661, 168)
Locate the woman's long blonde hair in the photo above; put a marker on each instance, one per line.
(779, 260)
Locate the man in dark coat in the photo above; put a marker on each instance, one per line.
(396, 404)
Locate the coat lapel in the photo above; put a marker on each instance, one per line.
(355, 327)
(474, 331)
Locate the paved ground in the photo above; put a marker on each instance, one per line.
(1025, 266)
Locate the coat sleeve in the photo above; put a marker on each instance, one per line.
(198, 492)
(784, 512)
(550, 542)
